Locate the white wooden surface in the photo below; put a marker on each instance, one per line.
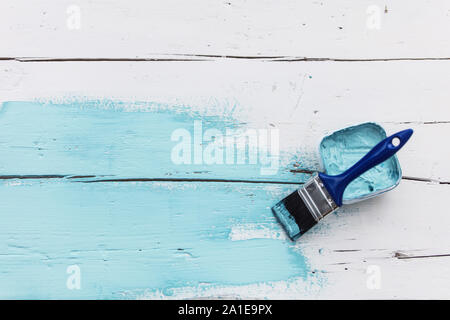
(313, 29)
(400, 79)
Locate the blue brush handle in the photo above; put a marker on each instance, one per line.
(381, 152)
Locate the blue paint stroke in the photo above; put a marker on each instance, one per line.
(106, 138)
(136, 236)
(127, 236)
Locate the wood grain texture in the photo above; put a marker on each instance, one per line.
(86, 177)
(131, 238)
(111, 223)
(200, 239)
(304, 100)
(315, 29)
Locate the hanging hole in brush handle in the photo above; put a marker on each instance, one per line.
(396, 142)
(381, 152)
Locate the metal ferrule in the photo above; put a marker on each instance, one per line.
(316, 198)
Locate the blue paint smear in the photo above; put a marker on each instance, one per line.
(106, 138)
(136, 236)
(128, 236)
(342, 149)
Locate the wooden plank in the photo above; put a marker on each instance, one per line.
(341, 29)
(295, 98)
(180, 240)
(394, 91)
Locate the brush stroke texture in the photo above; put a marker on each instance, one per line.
(116, 139)
(125, 235)
(137, 236)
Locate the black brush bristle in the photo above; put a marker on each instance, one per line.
(296, 207)
(296, 212)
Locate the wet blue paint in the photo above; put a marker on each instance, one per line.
(136, 236)
(116, 139)
(127, 236)
(343, 148)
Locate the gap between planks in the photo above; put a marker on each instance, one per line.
(213, 57)
(403, 256)
(397, 254)
(101, 179)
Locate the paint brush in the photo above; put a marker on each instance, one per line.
(322, 194)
